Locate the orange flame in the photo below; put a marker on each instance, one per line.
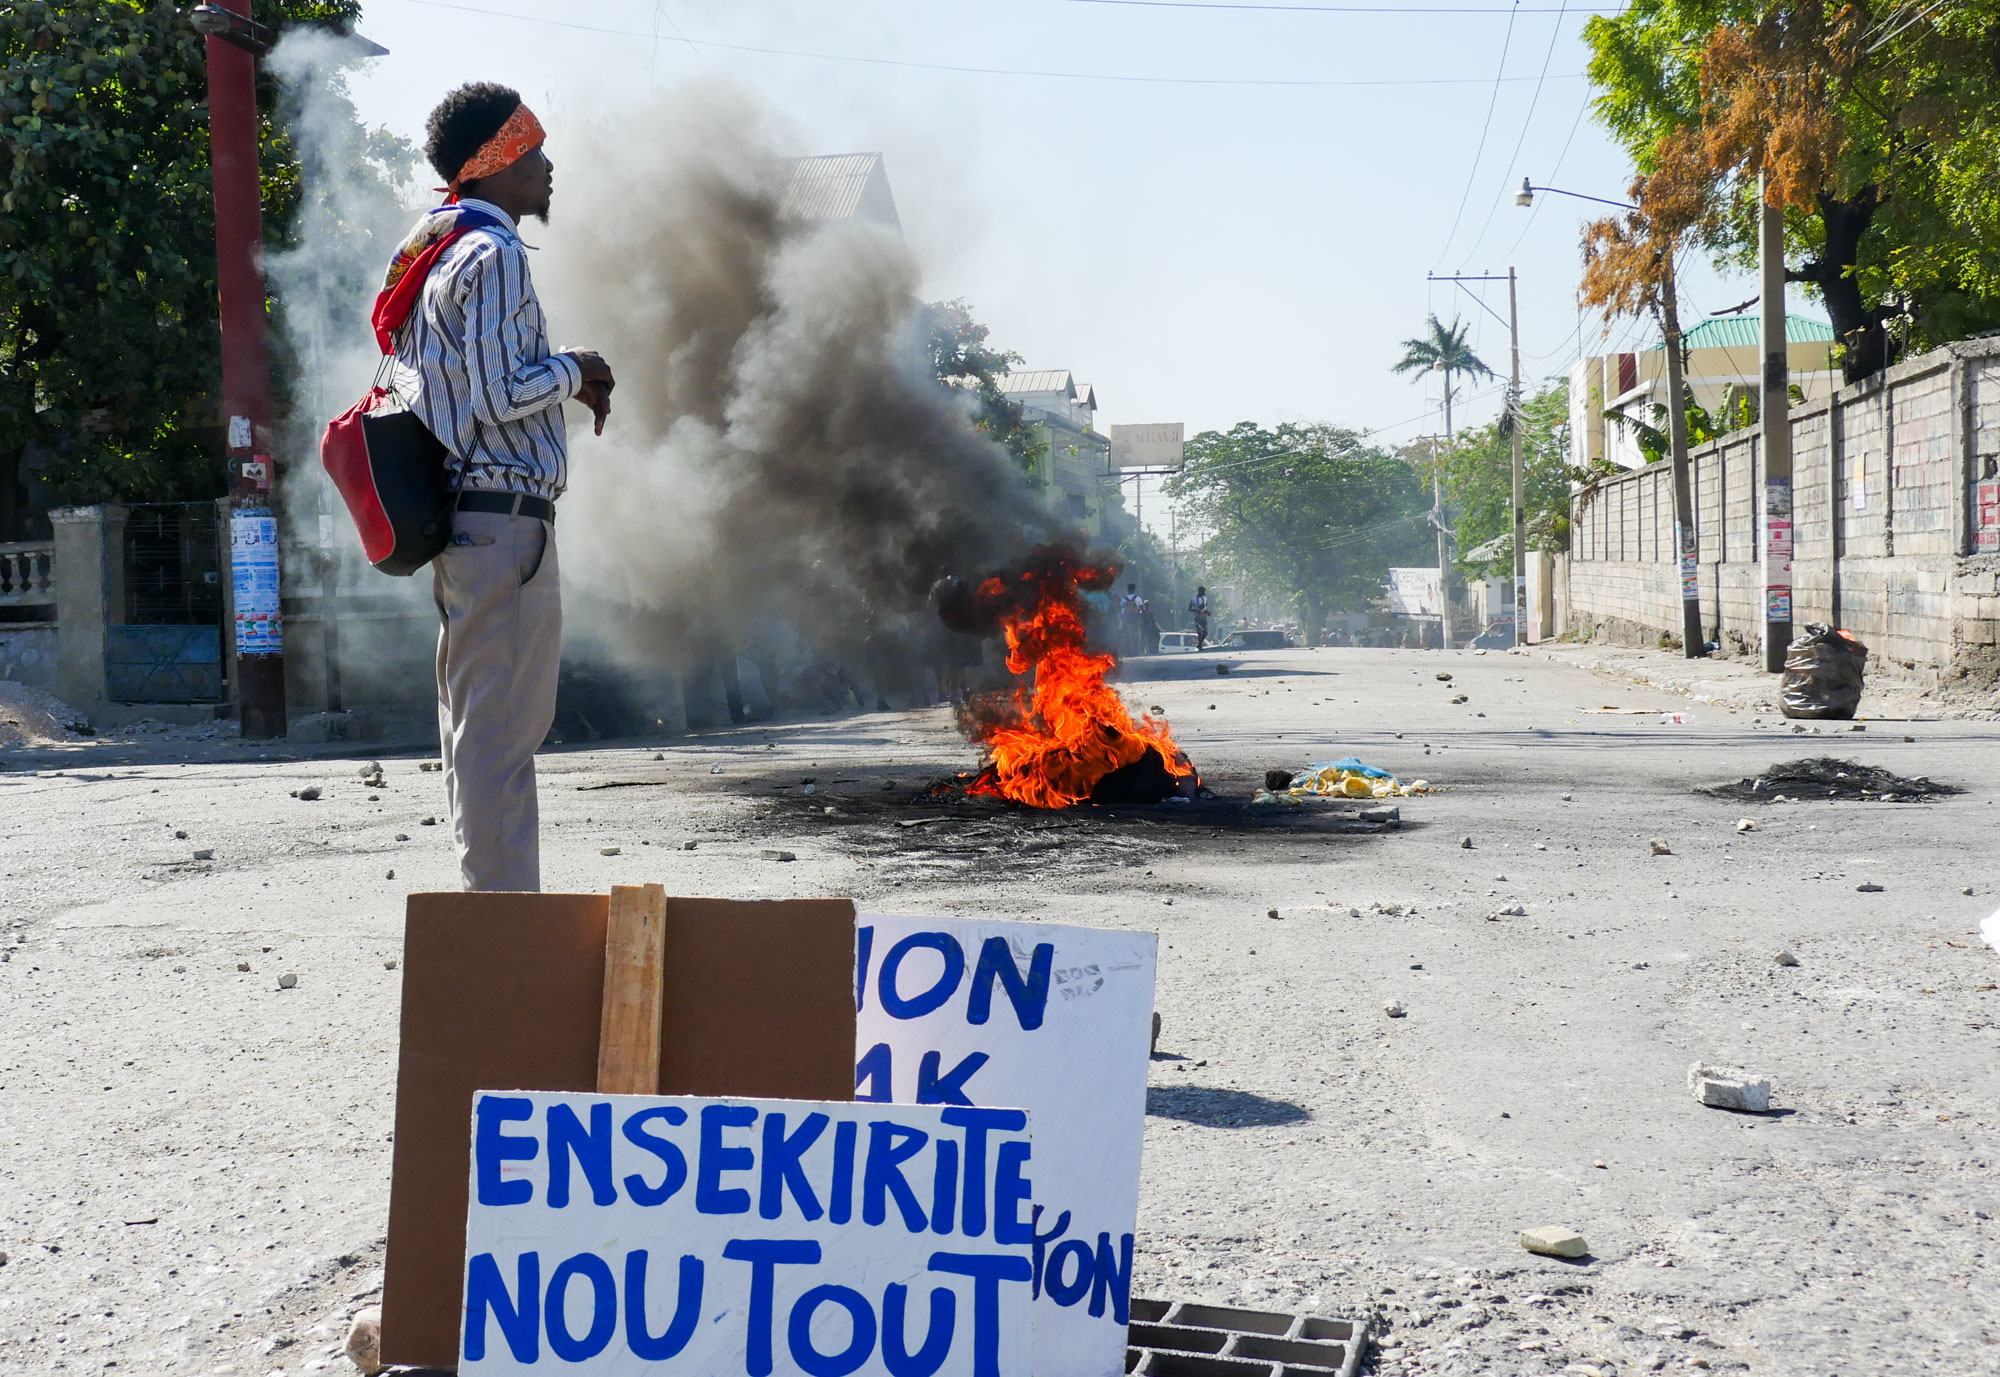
(1055, 736)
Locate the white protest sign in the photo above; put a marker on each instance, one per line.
(1053, 1020)
(628, 1234)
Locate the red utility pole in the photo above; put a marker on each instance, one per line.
(246, 382)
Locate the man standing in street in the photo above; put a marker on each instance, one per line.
(473, 362)
(1198, 609)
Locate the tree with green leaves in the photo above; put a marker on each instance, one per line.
(109, 351)
(963, 356)
(1442, 350)
(1309, 516)
(1872, 126)
(1478, 475)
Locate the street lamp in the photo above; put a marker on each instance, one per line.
(1526, 196)
(1694, 641)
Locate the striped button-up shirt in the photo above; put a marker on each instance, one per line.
(473, 362)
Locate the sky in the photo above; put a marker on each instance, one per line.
(1213, 212)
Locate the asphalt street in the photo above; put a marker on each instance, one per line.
(196, 1160)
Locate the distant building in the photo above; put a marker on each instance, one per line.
(840, 186)
(1077, 466)
(1722, 370)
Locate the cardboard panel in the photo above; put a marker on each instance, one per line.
(505, 992)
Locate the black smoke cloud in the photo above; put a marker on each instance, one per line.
(781, 460)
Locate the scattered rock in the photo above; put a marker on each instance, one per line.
(609, 850)
(1552, 1240)
(427, 822)
(1465, 843)
(1386, 814)
(373, 767)
(1277, 781)
(1157, 711)
(402, 836)
(1222, 669)
(1443, 678)
(243, 966)
(715, 769)
(1395, 1009)
(1460, 698)
(1727, 1087)
(659, 755)
(205, 854)
(309, 794)
(1569, 798)
(1868, 887)
(364, 1341)
(1513, 911)
(689, 846)
(287, 982)
(180, 836)
(1599, 1165)
(1746, 824)
(1156, 1030)
(390, 876)
(773, 854)
(1784, 958)
(431, 767)
(1272, 914)
(1660, 848)
(390, 964)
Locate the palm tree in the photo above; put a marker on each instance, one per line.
(1443, 351)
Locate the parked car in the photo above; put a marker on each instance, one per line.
(1176, 642)
(1256, 640)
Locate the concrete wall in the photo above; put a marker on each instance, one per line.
(28, 654)
(1882, 473)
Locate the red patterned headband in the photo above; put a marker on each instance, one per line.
(518, 137)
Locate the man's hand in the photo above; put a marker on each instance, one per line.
(595, 369)
(596, 396)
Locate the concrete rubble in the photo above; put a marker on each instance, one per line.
(1728, 1087)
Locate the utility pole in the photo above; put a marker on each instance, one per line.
(1520, 488)
(1694, 643)
(246, 381)
(1437, 520)
(1775, 423)
(1512, 414)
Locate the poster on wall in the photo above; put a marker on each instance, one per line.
(1057, 1021)
(621, 1235)
(253, 578)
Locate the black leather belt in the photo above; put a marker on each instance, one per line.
(507, 504)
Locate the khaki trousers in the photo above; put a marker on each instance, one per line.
(499, 648)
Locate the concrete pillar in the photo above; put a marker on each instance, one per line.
(90, 598)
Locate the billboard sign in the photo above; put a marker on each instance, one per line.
(1148, 447)
(1413, 592)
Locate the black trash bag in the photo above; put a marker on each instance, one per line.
(1823, 674)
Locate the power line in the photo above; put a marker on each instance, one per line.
(1514, 158)
(1487, 128)
(1552, 173)
(1133, 78)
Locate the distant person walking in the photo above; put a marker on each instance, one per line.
(473, 362)
(1129, 608)
(1149, 628)
(1198, 609)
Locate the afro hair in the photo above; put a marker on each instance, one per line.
(464, 121)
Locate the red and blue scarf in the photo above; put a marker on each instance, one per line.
(418, 254)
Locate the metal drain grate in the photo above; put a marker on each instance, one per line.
(1181, 1339)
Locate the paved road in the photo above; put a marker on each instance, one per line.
(197, 1161)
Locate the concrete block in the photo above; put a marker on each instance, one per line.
(1728, 1087)
(1552, 1240)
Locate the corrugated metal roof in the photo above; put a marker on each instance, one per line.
(1741, 332)
(829, 186)
(1037, 380)
(1087, 394)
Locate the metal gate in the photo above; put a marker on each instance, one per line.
(168, 649)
